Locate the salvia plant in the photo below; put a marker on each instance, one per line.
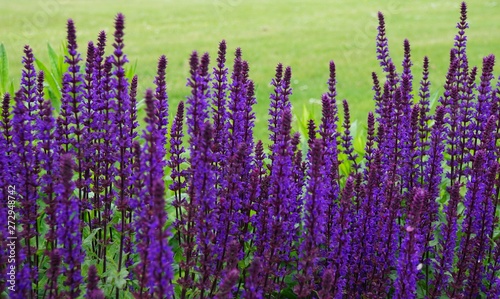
(95, 206)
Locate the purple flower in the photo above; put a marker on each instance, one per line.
(203, 194)
(280, 230)
(219, 109)
(160, 258)
(274, 109)
(26, 168)
(93, 291)
(473, 227)
(313, 235)
(340, 250)
(161, 98)
(52, 287)
(409, 263)
(175, 163)
(227, 284)
(347, 139)
(150, 173)
(68, 230)
(197, 102)
(329, 135)
(252, 282)
(447, 244)
(49, 152)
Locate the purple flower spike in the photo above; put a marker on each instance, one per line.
(52, 273)
(444, 262)
(175, 163)
(348, 148)
(382, 44)
(93, 291)
(280, 230)
(219, 110)
(461, 45)
(341, 240)
(160, 259)
(314, 221)
(197, 102)
(161, 98)
(68, 230)
(409, 263)
(25, 122)
(471, 244)
(225, 289)
(203, 193)
(274, 110)
(252, 282)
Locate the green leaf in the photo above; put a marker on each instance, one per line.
(130, 71)
(4, 70)
(87, 242)
(288, 293)
(52, 88)
(53, 59)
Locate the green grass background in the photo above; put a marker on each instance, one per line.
(303, 34)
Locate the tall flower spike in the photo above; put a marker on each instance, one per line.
(203, 193)
(431, 175)
(280, 231)
(219, 109)
(484, 226)
(482, 109)
(408, 265)
(93, 291)
(197, 115)
(48, 157)
(466, 125)
(150, 173)
(382, 45)
(122, 117)
(225, 289)
(197, 101)
(461, 46)
(341, 240)
(370, 141)
(314, 220)
(52, 288)
(283, 102)
(160, 272)
(424, 117)
(161, 97)
(252, 286)
(347, 138)
(444, 262)
(406, 79)
(69, 235)
(468, 244)
(124, 133)
(24, 125)
(274, 106)
(238, 91)
(175, 163)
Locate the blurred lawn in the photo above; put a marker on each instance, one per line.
(304, 34)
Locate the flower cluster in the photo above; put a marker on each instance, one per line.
(109, 209)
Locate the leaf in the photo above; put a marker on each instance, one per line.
(53, 59)
(52, 88)
(434, 99)
(88, 240)
(4, 70)
(130, 71)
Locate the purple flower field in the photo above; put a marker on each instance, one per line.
(93, 205)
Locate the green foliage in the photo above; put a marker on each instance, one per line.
(6, 84)
(53, 74)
